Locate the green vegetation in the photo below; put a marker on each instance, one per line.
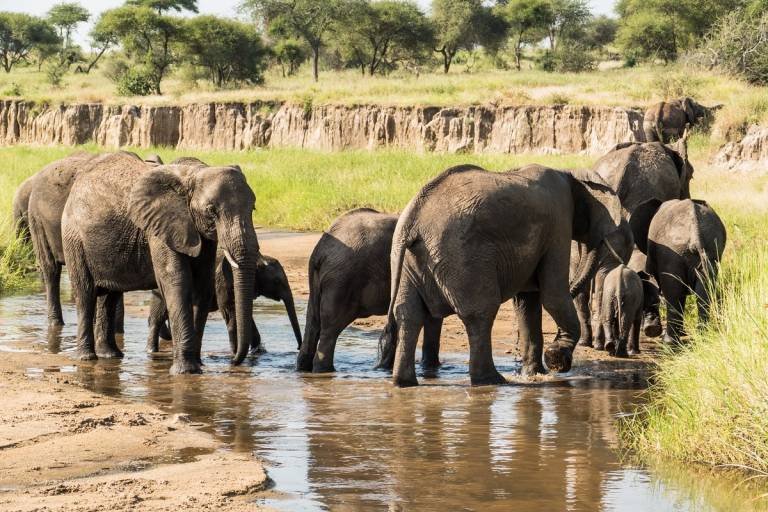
(708, 404)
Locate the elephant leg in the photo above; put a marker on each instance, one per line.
(558, 302)
(430, 345)
(582, 303)
(335, 315)
(229, 321)
(410, 314)
(599, 342)
(608, 326)
(85, 300)
(326, 347)
(674, 291)
(528, 309)
(120, 316)
(52, 280)
(703, 299)
(106, 344)
(256, 346)
(157, 318)
(482, 370)
(634, 336)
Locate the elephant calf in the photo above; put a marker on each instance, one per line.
(686, 240)
(621, 311)
(271, 282)
(349, 278)
(666, 121)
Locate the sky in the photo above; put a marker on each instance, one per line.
(218, 7)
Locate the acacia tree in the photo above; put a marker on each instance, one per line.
(309, 20)
(20, 34)
(463, 24)
(231, 51)
(66, 17)
(379, 34)
(161, 6)
(150, 39)
(528, 22)
(289, 53)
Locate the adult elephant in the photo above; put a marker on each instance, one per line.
(642, 175)
(271, 282)
(20, 209)
(471, 240)
(666, 121)
(349, 278)
(128, 227)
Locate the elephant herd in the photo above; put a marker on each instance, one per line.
(603, 244)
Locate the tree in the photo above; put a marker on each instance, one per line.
(600, 31)
(528, 23)
(231, 51)
(290, 53)
(148, 38)
(379, 34)
(309, 20)
(646, 35)
(66, 17)
(162, 6)
(463, 24)
(20, 34)
(103, 37)
(568, 18)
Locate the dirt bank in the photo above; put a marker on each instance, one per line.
(293, 252)
(65, 448)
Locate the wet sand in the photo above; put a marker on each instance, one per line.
(65, 448)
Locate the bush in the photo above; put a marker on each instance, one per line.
(135, 82)
(569, 57)
(54, 73)
(13, 89)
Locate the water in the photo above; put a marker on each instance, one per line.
(353, 442)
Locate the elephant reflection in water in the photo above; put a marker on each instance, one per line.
(495, 449)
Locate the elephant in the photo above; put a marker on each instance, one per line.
(641, 174)
(621, 312)
(651, 297)
(271, 282)
(129, 226)
(686, 240)
(666, 121)
(20, 209)
(153, 159)
(349, 278)
(472, 239)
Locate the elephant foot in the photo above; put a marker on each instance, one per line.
(85, 355)
(634, 352)
(610, 347)
(585, 342)
(323, 368)
(493, 378)
(531, 370)
(671, 339)
(153, 348)
(109, 353)
(599, 345)
(185, 367)
(652, 327)
(257, 350)
(404, 382)
(304, 362)
(55, 322)
(558, 358)
(430, 365)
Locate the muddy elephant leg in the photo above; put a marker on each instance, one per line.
(703, 297)
(430, 345)
(482, 370)
(634, 336)
(52, 281)
(120, 315)
(335, 315)
(410, 315)
(84, 291)
(556, 299)
(608, 326)
(157, 317)
(583, 310)
(322, 361)
(256, 346)
(674, 292)
(528, 310)
(106, 343)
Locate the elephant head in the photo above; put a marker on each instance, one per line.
(599, 222)
(272, 283)
(181, 205)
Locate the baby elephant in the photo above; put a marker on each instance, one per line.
(622, 311)
(686, 240)
(271, 282)
(349, 278)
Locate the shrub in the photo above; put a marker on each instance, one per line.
(135, 82)
(570, 57)
(13, 89)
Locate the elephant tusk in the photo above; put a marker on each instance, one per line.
(230, 259)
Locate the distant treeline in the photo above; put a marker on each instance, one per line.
(147, 39)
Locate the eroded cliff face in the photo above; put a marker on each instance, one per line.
(237, 126)
(750, 154)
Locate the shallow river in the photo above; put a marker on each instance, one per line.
(353, 442)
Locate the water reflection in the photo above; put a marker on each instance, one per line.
(353, 442)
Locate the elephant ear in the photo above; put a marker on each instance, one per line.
(158, 205)
(690, 109)
(640, 221)
(589, 190)
(678, 152)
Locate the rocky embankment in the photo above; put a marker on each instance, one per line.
(237, 126)
(750, 154)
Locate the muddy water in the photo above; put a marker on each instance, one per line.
(353, 442)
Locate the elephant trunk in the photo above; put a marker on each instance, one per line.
(585, 271)
(242, 252)
(291, 310)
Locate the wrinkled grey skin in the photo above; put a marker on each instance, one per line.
(471, 240)
(349, 278)
(651, 296)
(271, 282)
(131, 226)
(666, 121)
(621, 311)
(20, 208)
(686, 240)
(643, 175)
